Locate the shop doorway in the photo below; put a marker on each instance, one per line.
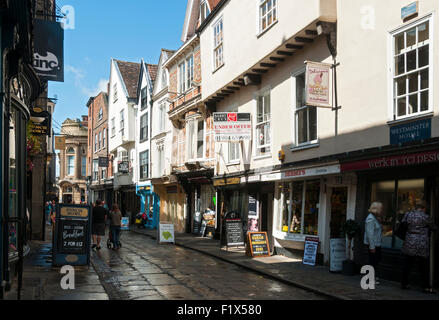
(339, 204)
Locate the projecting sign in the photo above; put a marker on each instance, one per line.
(123, 167)
(408, 132)
(60, 143)
(49, 50)
(232, 126)
(103, 162)
(317, 84)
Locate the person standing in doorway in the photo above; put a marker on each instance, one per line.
(416, 246)
(98, 224)
(116, 222)
(373, 235)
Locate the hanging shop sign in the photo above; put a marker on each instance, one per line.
(318, 84)
(258, 244)
(72, 235)
(310, 253)
(409, 11)
(232, 126)
(337, 254)
(60, 143)
(392, 162)
(409, 132)
(103, 162)
(40, 121)
(49, 50)
(166, 231)
(309, 172)
(123, 167)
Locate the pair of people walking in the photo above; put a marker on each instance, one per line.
(416, 244)
(100, 215)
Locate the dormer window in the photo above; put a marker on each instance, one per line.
(204, 11)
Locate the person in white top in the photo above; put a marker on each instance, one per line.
(373, 233)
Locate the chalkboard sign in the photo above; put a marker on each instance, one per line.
(258, 243)
(234, 234)
(71, 244)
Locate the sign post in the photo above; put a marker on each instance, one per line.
(72, 235)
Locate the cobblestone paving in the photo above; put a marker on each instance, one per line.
(145, 270)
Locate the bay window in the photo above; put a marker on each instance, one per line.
(412, 70)
(300, 204)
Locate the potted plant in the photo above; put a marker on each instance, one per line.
(351, 229)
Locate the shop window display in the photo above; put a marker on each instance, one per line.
(300, 207)
(398, 198)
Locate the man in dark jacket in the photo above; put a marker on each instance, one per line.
(98, 224)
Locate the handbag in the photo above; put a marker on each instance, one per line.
(401, 229)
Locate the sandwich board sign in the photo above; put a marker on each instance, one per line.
(310, 254)
(166, 233)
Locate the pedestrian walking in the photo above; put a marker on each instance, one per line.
(116, 223)
(99, 217)
(373, 235)
(416, 246)
(48, 211)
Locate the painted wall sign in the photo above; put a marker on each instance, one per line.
(299, 173)
(271, 177)
(258, 243)
(71, 244)
(310, 253)
(337, 254)
(392, 162)
(408, 132)
(228, 181)
(49, 50)
(410, 10)
(232, 126)
(318, 84)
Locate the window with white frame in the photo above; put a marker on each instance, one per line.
(144, 98)
(101, 114)
(113, 127)
(182, 77)
(95, 169)
(195, 134)
(115, 92)
(181, 147)
(263, 125)
(96, 142)
(144, 127)
(164, 78)
(100, 140)
(160, 161)
(305, 117)
(204, 10)
(267, 14)
(103, 139)
(143, 164)
(218, 39)
(412, 70)
(190, 72)
(122, 123)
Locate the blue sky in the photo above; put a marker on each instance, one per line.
(126, 30)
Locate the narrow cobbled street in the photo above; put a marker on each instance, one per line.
(145, 270)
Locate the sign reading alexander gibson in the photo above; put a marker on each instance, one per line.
(317, 84)
(408, 132)
(49, 50)
(103, 162)
(43, 127)
(232, 126)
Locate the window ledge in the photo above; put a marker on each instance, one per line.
(262, 157)
(233, 163)
(305, 147)
(290, 236)
(220, 67)
(261, 33)
(428, 114)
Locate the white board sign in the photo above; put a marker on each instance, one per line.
(166, 233)
(337, 254)
(232, 126)
(310, 254)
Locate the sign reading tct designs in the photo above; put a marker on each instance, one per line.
(49, 50)
(232, 126)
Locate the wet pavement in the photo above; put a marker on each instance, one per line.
(145, 270)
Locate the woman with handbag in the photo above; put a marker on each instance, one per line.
(416, 246)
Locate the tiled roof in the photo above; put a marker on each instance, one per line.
(130, 73)
(152, 69)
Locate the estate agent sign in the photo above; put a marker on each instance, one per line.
(232, 126)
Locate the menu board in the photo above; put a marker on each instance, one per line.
(258, 243)
(310, 254)
(234, 234)
(337, 254)
(72, 236)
